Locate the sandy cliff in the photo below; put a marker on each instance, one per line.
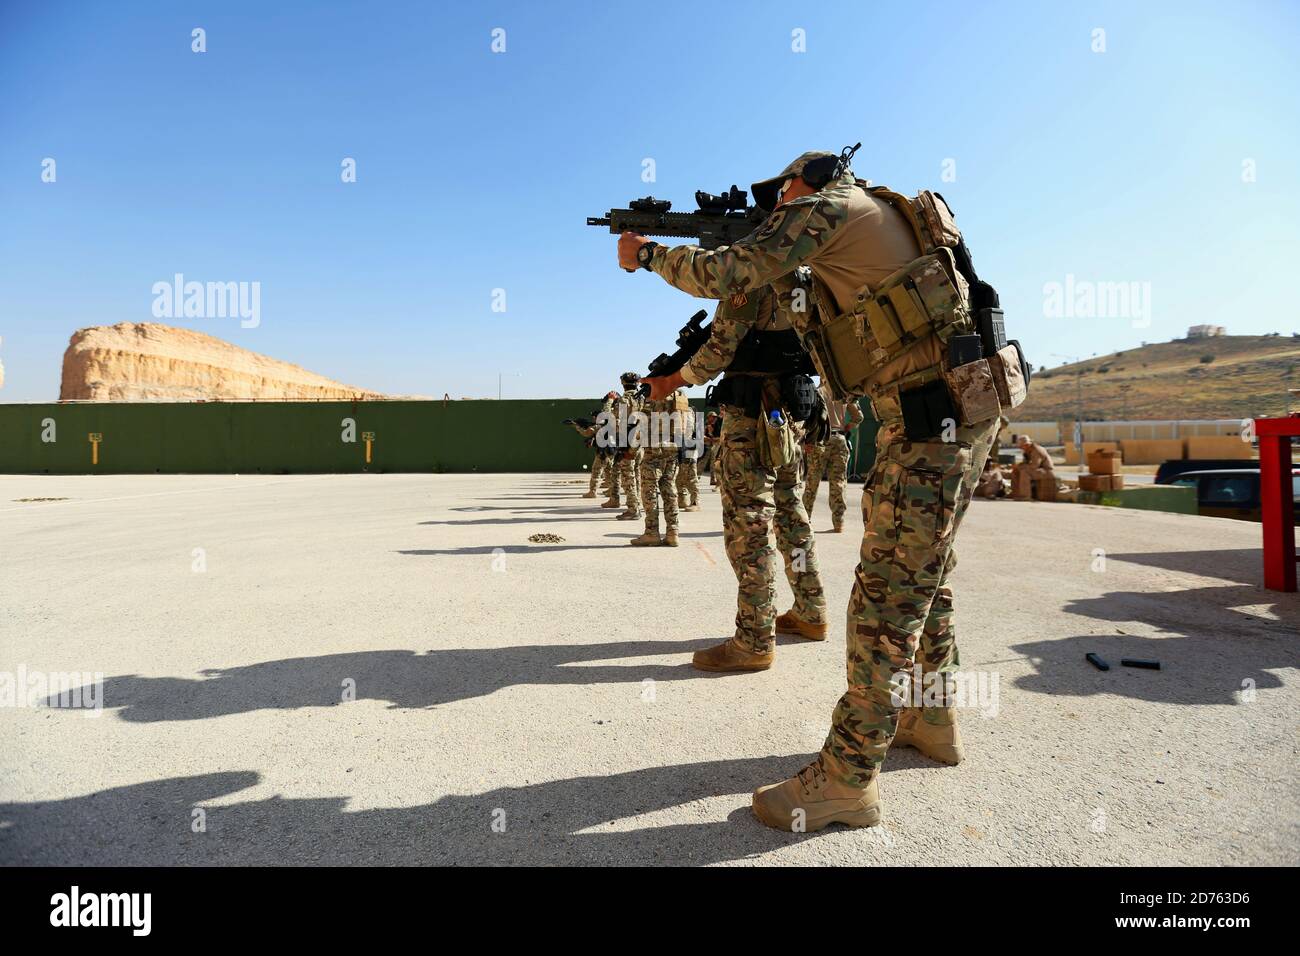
(131, 362)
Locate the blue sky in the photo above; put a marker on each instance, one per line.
(476, 170)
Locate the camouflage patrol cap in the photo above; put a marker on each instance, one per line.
(629, 378)
(764, 192)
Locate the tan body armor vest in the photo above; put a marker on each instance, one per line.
(927, 297)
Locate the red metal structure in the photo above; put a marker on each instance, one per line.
(1276, 499)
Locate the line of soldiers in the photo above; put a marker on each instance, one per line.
(665, 468)
(648, 456)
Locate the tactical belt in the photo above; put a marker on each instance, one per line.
(771, 352)
(743, 392)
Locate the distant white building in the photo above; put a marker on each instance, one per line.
(1205, 331)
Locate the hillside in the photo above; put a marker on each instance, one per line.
(1245, 376)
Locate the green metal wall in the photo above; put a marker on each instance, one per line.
(300, 437)
(280, 437)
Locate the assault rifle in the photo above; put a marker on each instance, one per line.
(591, 442)
(689, 341)
(719, 221)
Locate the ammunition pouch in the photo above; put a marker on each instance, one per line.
(937, 294)
(928, 411)
(918, 300)
(964, 394)
(798, 396)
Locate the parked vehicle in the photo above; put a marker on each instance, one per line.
(1231, 492)
(1170, 470)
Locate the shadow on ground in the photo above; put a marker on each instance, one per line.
(1210, 646)
(401, 678)
(1243, 565)
(560, 822)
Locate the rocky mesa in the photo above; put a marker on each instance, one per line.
(142, 362)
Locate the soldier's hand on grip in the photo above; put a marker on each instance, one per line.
(628, 244)
(660, 387)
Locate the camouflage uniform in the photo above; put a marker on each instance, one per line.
(628, 408)
(688, 480)
(712, 442)
(755, 498)
(659, 465)
(901, 603)
(601, 471)
(833, 457)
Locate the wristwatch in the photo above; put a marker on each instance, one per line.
(645, 254)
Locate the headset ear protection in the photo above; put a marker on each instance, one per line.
(825, 169)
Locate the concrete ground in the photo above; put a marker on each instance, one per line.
(534, 703)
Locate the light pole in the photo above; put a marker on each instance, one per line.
(1078, 409)
(500, 376)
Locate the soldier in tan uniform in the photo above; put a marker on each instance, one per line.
(712, 445)
(832, 458)
(688, 475)
(659, 471)
(1037, 465)
(627, 410)
(602, 464)
(862, 243)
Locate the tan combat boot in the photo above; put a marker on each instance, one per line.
(611, 503)
(810, 800)
(791, 626)
(588, 494)
(730, 656)
(630, 515)
(648, 540)
(941, 742)
(670, 539)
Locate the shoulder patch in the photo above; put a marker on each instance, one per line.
(770, 226)
(738, 300)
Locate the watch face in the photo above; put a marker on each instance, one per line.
(643, 254)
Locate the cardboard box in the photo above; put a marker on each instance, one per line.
(1100, 482)
(1093, 483)
(1105, 462)
(1045, 489)
(1072, 453)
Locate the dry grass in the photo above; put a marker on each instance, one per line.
(1246, 376)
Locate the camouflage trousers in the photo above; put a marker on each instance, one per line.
(629, 478)
(832, 458)
(901, 605)
(688, 483)
(602, 476)
(754, 500)
(659, 480)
